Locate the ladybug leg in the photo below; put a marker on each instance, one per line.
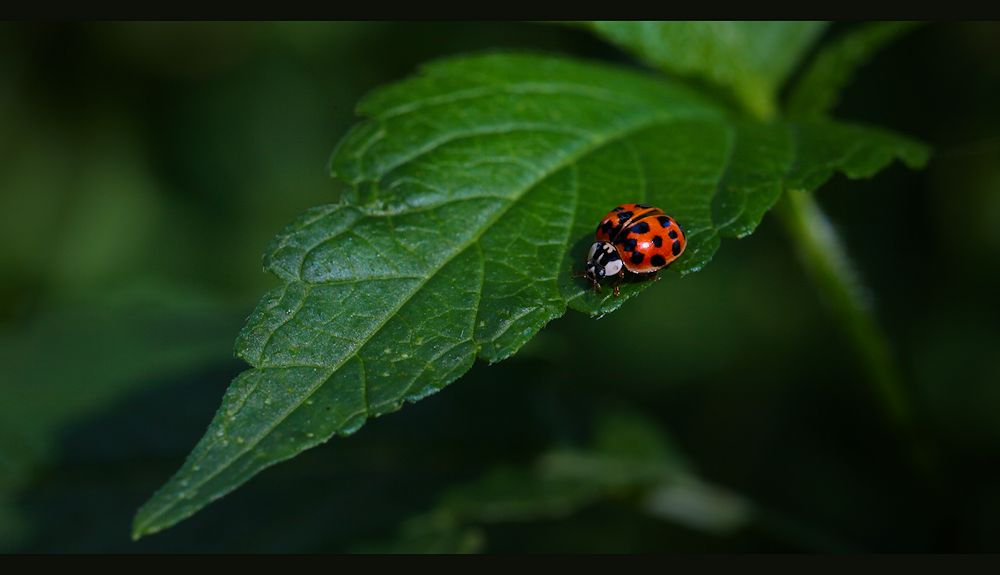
(576, 274)
(618, 282)
(594, 283)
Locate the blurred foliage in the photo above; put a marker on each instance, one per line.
(146, 165)
(751, 58)
(820, 86)
(628, 461)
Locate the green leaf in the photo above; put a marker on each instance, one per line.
(752, 59)
(629, 461)
(418, 538)
(475, 188)
(129, 341)
(817, 92)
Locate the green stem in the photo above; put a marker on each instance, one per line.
(825, 259)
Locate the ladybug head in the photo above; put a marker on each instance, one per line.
(603, 261)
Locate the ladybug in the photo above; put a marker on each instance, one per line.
(635, 237)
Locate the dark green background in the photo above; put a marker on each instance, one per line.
(145, 166)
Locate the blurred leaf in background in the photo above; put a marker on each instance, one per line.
(753, 59)
(69, 364)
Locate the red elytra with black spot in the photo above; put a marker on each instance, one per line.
(647, 239)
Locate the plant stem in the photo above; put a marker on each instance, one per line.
(825, 259)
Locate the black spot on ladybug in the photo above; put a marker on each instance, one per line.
(676, 248)
(606, 226)
(672, 234)
(658, 261)
(629, 245)
(664, 221)
(640, 228)
(619, 208)
(637, 258)
(622, 216)
(657, 241)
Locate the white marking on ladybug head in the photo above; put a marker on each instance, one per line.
(603, 260)
(612, 267)
(593, 250)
